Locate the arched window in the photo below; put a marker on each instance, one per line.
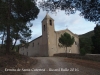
(75, 43)
(69, 50)
(44, 27)
(50, 22)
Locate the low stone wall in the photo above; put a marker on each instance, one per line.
(94, 57)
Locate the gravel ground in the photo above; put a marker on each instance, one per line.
(57, 66)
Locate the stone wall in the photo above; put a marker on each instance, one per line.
(73, 49)
(94, 57)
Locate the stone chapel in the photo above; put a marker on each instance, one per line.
(48, 43)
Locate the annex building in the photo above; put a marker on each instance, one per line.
(48, 43)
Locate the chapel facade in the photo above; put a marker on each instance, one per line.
(48, 43)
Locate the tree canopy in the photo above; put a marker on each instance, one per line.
(96, 39)
(15, 16)
(66, 40)
(89, 9)
(86, 44)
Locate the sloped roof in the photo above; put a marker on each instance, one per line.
(35, 39)
(68, 31)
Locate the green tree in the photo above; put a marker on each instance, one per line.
(17, 33)
(86, 45)
(89, 9)
(3, 33)
(96, 39)
(66, 40)
(14, 11)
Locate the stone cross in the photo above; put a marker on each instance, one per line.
(47, 11)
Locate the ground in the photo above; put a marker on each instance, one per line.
(64, 66)
(47, 65)
(15, 61)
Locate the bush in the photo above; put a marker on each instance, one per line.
(82, 51)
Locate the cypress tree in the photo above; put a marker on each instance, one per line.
(96, 39)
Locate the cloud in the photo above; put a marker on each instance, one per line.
(73, 22)
(77, 24)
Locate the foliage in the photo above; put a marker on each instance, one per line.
(82, 51)
(86, 44)
(96, 39)
(89, 9)
(17, 14)
(26, 45)
(66, 40)
(87, 35)
(21, 34)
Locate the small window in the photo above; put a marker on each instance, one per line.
(75, 43)
(44, 27)
(33, 44)
(70, 51)
(50, 22)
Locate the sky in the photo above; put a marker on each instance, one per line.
(74, 22)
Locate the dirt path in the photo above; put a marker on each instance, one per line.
(58, 66)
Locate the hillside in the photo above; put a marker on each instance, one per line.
(86, 42)
(88, 34)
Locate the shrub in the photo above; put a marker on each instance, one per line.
(82, 51)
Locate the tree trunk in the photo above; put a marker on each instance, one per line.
(14, 44)
(3, 38)
(8, 39)
(15, 41)
(66, 51)
(8, 27)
